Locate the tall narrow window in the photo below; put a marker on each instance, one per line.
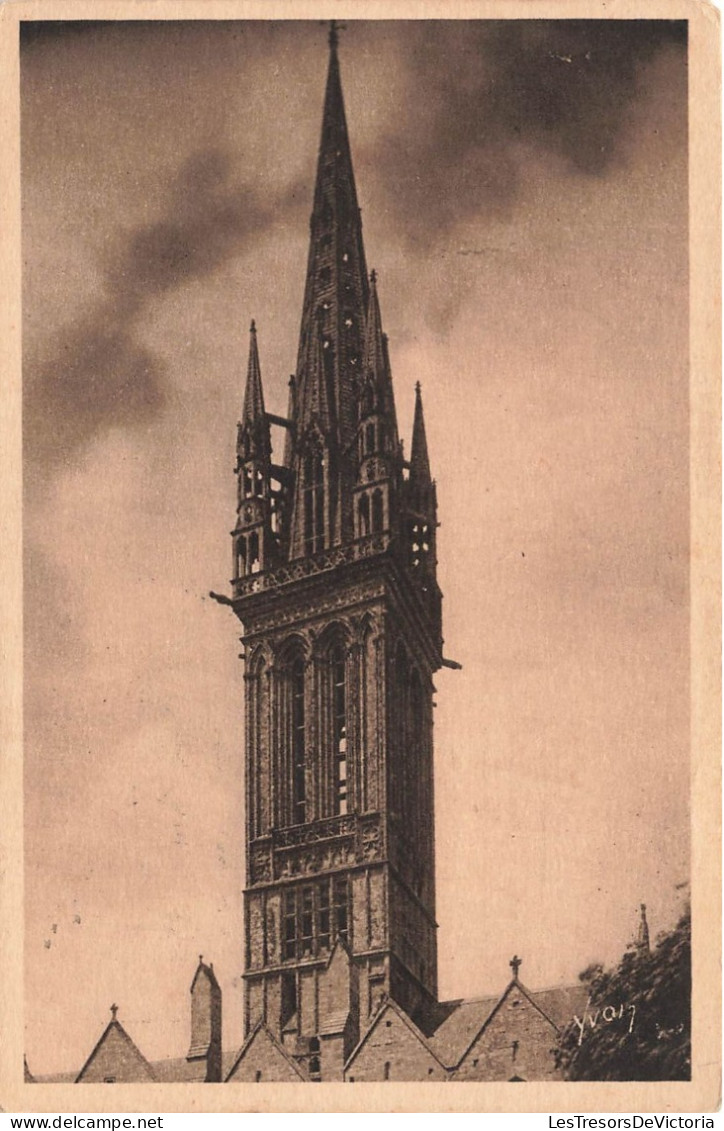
(290, 925)
(298, 742)
(306, 921)
(364, 515)
(313, 503)
(241, 557)
(378, 520)
(416, 785)
(289, 995)
(340, 899)
(339, 729)
(254, 560)
(323, 930)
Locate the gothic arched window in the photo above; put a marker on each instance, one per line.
(313, 502)
(339, 728)
(299, 754)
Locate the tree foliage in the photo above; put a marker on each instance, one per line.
(637, 1025)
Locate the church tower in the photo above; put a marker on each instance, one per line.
(335, 586)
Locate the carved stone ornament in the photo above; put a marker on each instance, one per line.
(260, 864)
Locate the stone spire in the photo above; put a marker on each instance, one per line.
(336, 292)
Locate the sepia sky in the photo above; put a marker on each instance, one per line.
(524, 196)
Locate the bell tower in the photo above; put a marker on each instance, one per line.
(335, 586)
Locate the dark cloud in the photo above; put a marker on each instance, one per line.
(478, 90)
(97, 373)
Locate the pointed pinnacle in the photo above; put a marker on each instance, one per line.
(419, 460)
(253, 395)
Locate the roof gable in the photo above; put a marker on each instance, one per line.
(513, 985)
(391, 1006)
(116, 1055)
(262, 1043)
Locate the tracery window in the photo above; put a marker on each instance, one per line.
(314, 915)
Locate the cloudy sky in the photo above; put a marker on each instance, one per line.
(524, 196)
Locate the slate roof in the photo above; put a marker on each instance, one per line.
(173, 1070)
(335, 1023)
(58, 1078)
(560, 1003)
(464, 1021)
(178, 1070)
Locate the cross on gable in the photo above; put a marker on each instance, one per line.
(114, 1011)
(515, 965)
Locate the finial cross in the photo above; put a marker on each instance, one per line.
(114, 1011)
(515, 965)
